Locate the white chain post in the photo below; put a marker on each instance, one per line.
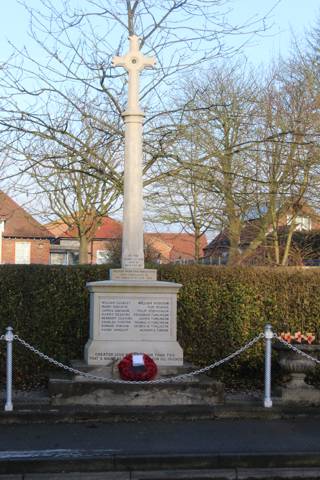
(9, 337)
(268, 335)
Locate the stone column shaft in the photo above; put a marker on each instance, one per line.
(132, 240)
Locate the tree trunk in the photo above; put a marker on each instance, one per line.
(276, 248)
(83, 250)
(234, 232)
(197, 237)
(287, 247)
(275, 236)
(234, 225)
(254, 244)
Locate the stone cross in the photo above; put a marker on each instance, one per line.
(132, 240)
(134, 62)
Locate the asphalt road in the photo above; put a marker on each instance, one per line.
(207, 436)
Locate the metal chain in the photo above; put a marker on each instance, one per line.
(2, 337)
(176, 378)
(296, 349)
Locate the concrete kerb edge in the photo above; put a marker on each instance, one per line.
(217, 460)
(36, 414)
(164, 461)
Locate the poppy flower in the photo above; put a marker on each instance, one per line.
(286, 336)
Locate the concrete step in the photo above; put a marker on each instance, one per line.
(34, 413)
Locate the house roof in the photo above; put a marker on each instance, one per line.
(175, 245)
(18, 222)
(252, 227)
(58, 228)
(108, 229)
(159, 245)
(219, 241)
(248, 233)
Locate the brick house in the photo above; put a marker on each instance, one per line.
(166, 247)
(22, 239)
(307, 221)
(65, 248)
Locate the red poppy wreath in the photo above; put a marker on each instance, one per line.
(141, 373)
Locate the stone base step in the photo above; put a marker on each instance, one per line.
(77, 392)
(80, 390)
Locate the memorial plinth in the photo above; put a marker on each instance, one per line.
(133, 312)
(133, 317)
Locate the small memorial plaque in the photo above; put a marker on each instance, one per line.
(133, 274)
(133, 262)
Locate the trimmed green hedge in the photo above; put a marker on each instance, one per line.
(219, 309)
(48, 307)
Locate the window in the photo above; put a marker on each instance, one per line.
(73, 258)
(22, 252)
(103, 256)
(58, 258)
(301, 222)
(184, 261)
(64, 258)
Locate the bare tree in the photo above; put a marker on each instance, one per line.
(220, 119)
(77, 195)
(181, 199)
(66, 75)
(255, 152)
(289, 154)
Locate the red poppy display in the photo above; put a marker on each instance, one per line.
(142, 373)
(298, 337)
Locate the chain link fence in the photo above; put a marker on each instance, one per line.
(268, 335)
(176, 378)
